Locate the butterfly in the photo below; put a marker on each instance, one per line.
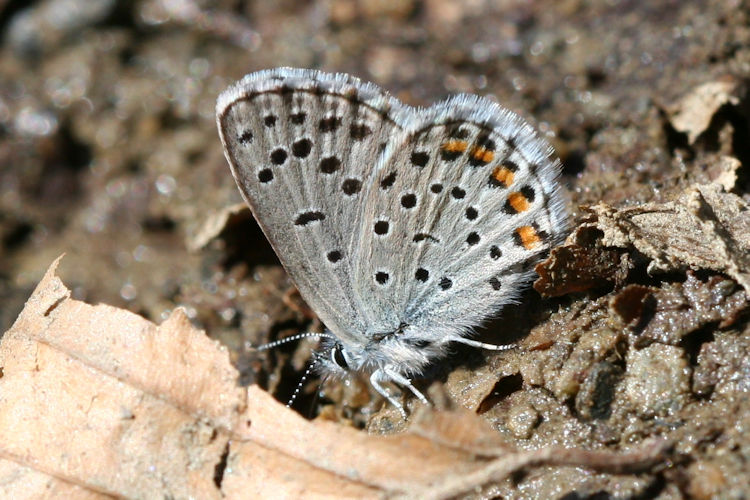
(403, 228)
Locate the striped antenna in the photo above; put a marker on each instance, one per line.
(292, 338)
(302, 380)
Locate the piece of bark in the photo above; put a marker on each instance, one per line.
(670, 313)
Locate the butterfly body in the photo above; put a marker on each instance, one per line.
(403, 228)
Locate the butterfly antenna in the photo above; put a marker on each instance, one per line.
(292, 338)
(302, 380)
(484, 345)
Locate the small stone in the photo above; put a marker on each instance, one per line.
(657, 379)
(522, 420)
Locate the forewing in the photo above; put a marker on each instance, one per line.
(304, 148)
(471, 200)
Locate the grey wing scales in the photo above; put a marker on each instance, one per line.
(471, 200)
(303, 146)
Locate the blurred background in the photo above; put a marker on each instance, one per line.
(109, 153)
(109, 150)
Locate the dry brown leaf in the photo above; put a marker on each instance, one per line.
(693, 113)
(96, 401)
(215, 223)
(724, 172)
(577, 268)
(18, 482)
(99, 397)
(706, 228)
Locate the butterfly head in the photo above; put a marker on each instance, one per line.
(338, 359)
(404, 349)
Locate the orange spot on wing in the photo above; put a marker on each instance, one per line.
(528, 237)
(482, 154)
(518, 201)
(454, 146)
(503, 175)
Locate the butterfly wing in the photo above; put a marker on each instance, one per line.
(471, 200)
(304, 147)
(383, 214)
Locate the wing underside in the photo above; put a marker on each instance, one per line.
(304, 147)
(384, 214)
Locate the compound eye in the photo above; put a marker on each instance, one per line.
(337, 355)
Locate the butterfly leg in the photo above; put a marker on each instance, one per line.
(376, 378)
(400, 379)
